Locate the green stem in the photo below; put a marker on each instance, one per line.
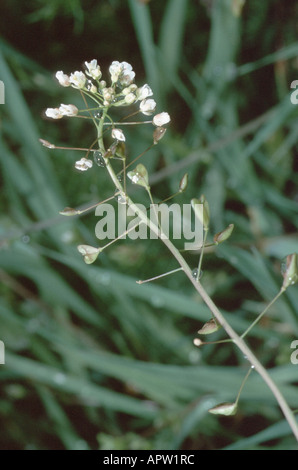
(201, 256)
(243, 383)
(282, 290)
(160, 275)
(206, 298)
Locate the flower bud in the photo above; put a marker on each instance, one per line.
(102, 84)
(210, 327)
(290, 270)
(224, 235)
(130, 98)
(183, 183)
(120, 150)
(158, 134)
(47, 144)
(69, 211)
(225, 409)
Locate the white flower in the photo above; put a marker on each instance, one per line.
(147, 107)
(130, 98)
(127, 75)
(68, 110)
(93, 69)
(54, 113)
(121, 71)
(93, 89)
(161, 119)
(83, 164)
(78, 79)
(115, 70)
(144, 92)
(118, 135)
(62, 78)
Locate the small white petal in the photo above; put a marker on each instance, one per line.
(161, 119)
(53, 113)
(62, 78)
(147, 107)
(93, 69)
(118, 135)
(144, 92)
(115, 70)
(83, 164)
(68, 109)
(78, 79)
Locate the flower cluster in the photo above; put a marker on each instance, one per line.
(119, 91)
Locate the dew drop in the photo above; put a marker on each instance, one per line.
(120, 198)
(195, 273)
(97, 114)
(98, 159)
(26, 239)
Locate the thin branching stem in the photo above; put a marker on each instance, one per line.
(236, 339)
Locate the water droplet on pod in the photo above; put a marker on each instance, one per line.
(98, 159)
(120, 197)
(196, 275)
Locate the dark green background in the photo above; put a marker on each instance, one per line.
(93, 360)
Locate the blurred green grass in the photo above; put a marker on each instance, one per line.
(93, 359)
